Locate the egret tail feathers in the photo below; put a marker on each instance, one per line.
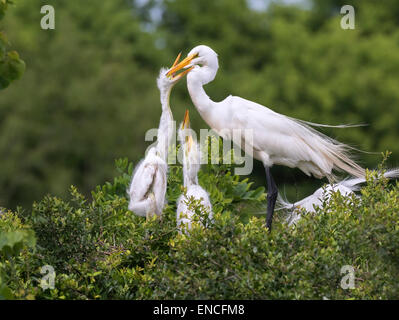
(337, 155)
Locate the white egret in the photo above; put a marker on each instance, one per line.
(147, 189)
(277, 139)
(191, 166)
(345, 188)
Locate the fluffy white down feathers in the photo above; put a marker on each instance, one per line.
(191, 166)
(147, 189)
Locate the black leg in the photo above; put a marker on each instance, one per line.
(272, 192)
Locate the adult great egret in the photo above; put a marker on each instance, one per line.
(191, 166)
(148, 186)
(345, 188)
(277, 139)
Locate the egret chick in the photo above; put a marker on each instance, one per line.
(191, 166)
(147, 189)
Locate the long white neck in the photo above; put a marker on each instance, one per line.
(195, 82)
(165, 129)
(165, 96)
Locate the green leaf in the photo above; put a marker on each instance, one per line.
(12, 242)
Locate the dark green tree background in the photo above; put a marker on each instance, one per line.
(89, 92)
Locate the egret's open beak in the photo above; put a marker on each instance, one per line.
(178, 66)
(176, 60)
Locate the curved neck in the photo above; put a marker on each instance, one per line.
(195, 82)
(199, 97)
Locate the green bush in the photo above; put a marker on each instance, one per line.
(16, 243)
(100, 250)
(233, 260)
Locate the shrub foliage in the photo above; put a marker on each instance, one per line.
(100, 250)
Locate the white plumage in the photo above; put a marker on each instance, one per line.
(148, 186)
(191, 166)
(277, 139)
(147, 189)
(345, 188)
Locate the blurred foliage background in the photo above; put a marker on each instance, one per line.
(89, 94)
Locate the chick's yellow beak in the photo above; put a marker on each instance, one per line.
(178, 66)
(186, 125)
(186, 121)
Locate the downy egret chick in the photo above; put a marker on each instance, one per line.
(191, 166)
(148, 186)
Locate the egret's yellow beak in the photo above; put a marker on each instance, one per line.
(186, 125)
(178, 66)
(186, 121)
(176, 60)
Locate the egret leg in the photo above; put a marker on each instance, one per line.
(272, 192)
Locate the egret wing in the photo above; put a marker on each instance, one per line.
(142, 181)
